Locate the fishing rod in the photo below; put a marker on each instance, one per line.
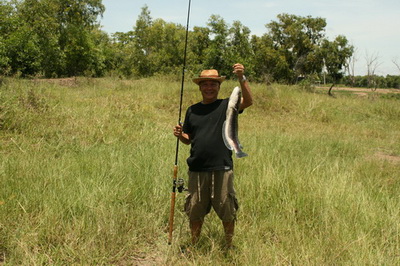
(178, 183)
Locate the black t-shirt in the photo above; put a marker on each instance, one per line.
(203, 122)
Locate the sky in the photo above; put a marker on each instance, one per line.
(371, 26)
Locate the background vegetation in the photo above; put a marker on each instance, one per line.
(86, 169)
(63, 38)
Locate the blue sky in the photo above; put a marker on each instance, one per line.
(372, 26)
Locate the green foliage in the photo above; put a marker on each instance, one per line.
(3, 57)
(306, 85)
(23, 51)
(298, 39)
(59, 38)
(335, 55)
(240, 49)
(269, 64)
(199, 41)
(4, 20)
(142, 44)
(390, 81)
(216, 53)
(50, 37)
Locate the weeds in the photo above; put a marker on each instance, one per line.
(86, 173)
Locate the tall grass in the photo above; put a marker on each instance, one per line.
(86, 172)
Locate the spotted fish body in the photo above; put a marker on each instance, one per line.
(230, 127)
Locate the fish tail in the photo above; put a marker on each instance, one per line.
(241, 154)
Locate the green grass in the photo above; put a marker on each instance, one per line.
(86, 172)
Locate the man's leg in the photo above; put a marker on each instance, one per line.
(225, 202)
(229, 228)
(195, 229)
(198, 203)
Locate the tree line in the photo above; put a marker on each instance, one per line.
(61, 38)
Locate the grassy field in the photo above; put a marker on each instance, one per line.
(86, 169)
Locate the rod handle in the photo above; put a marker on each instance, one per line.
(172, 211)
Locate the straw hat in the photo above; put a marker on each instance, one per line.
(209, 74)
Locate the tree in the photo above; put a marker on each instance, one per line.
(198, 43)
(21, 43)
(167, 45)
(141, 43)
(373, 62)
(3, 57)
(18, 48)
(121, 49)
(51, 37)
(397, 64)
(216, 54)
(77, 20)
(298, 39)
(269, 63)
(351, 66)
(39, 18)
(335, 55)
(239, 46)
(7, 25)
(393, 81)
(157, 46)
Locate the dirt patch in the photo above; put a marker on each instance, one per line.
(361, 94)
(141, 259)
(361, 91)
(391, 158)
(365, 90)
(67, 82)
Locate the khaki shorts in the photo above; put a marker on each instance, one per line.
(214, 189)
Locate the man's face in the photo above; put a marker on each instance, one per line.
(209, 90)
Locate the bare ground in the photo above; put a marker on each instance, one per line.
(361, 91)
(67, 82)
(384, 156)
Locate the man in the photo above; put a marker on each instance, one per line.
(210, 161)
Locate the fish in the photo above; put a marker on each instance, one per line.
(231, 125)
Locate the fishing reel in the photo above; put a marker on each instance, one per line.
(180, 185)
